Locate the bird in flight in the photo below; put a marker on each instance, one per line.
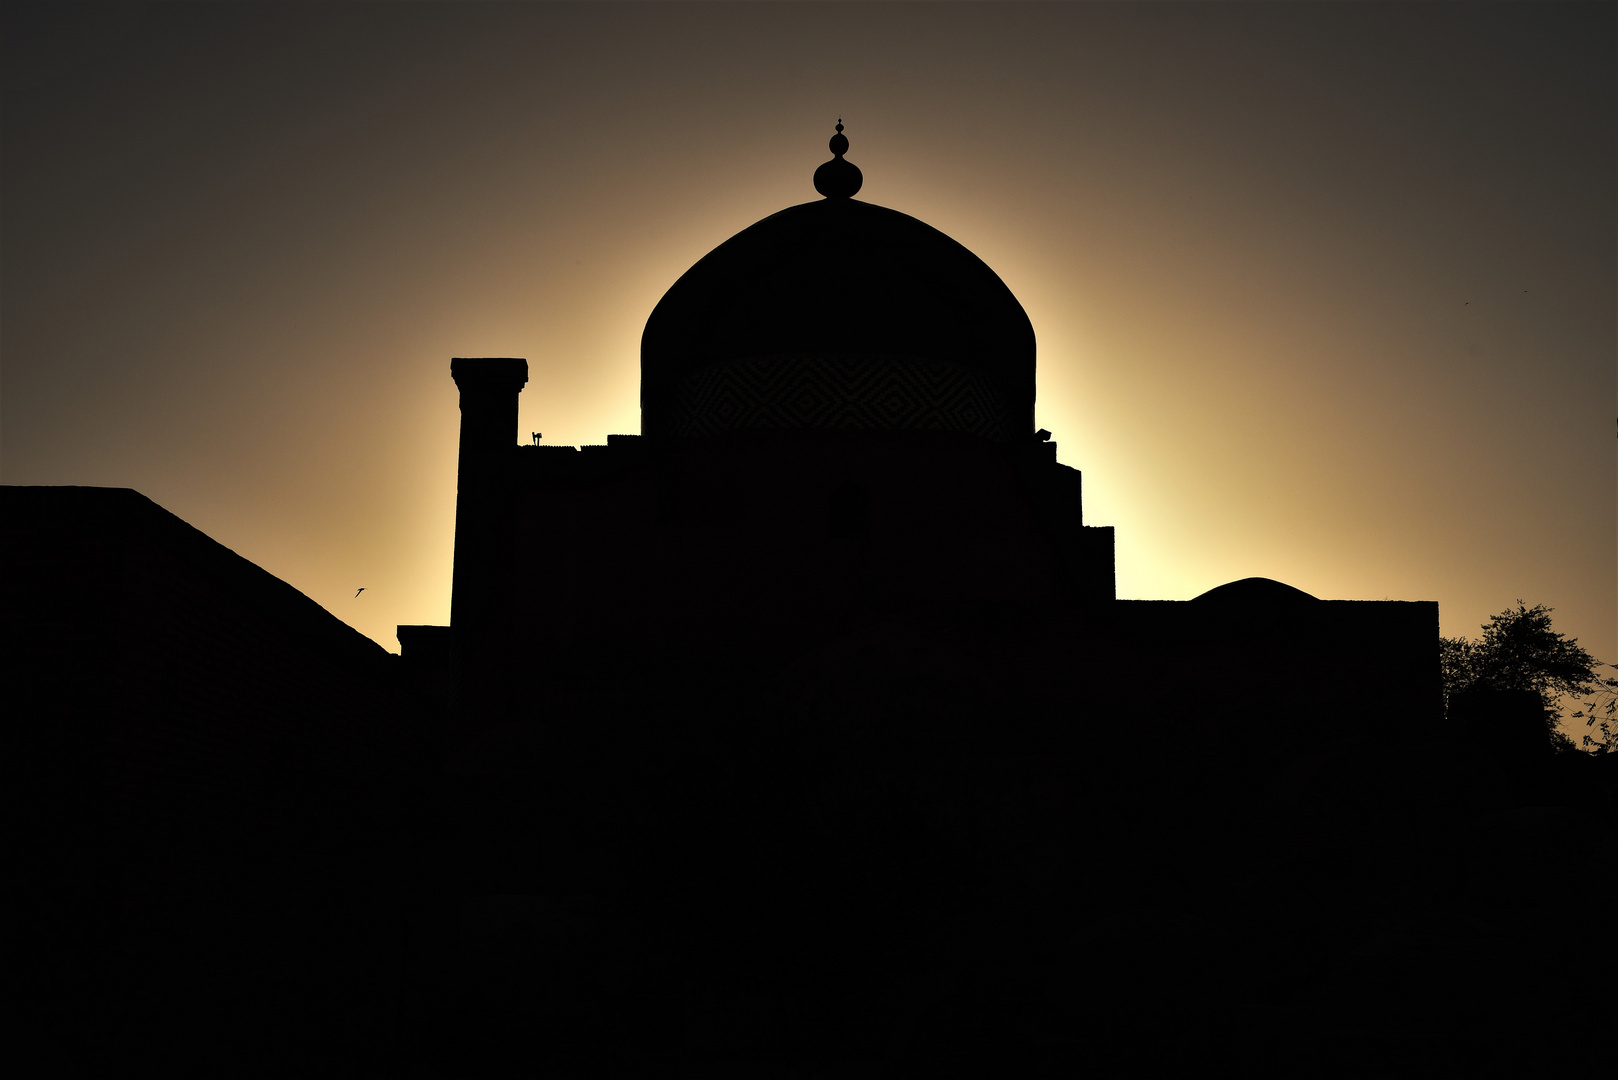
(358, 591)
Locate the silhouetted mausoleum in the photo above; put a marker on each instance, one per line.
(802, 734)
(838, 436)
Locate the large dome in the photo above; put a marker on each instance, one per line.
(838, 314)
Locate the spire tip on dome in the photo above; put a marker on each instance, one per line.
(837, 178)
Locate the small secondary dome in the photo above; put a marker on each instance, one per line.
(838, 314)
(1255, 591)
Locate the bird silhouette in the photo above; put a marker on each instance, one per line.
(359, 590)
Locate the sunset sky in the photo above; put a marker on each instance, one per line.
(1323, 292)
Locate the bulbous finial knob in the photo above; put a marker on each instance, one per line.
(839, 141)
(838, 179)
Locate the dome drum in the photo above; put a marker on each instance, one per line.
(820, 391)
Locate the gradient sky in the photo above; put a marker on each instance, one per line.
(1324, 293)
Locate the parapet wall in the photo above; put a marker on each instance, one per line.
(1328, 670)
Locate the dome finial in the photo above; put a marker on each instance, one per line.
(838, 179)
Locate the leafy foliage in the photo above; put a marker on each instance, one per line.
(1601, 713)
(1520, 651)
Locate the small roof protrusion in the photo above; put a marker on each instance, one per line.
(838, 179)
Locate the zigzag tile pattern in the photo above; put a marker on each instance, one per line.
(883, 393)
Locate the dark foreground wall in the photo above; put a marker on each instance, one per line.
(206, 769)
(969, 844)
(1225, 836)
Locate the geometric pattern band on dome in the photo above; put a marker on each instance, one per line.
(888, 393)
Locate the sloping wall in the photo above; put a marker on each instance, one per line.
(211, 772)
